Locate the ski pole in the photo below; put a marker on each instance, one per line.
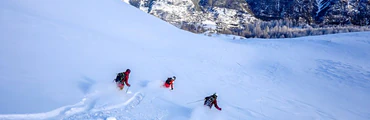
(195, 101)
(127, 89)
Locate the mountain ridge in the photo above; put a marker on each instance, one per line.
(236, 16)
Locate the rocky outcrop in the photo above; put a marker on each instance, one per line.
(198, 15)
(246, 17)
(322, 12)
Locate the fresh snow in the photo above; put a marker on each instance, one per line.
(59, 59)
(126, 1)
(209, 24)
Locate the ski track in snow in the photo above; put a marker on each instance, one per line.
(118, 111)
(85, 109)
(343, 74)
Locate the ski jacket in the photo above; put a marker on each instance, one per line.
(171, 83)
(125, 79)
(210, 101)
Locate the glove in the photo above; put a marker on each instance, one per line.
(171, 88)
(128, 85)
(220, 109)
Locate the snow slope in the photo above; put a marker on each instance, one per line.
(58, 59)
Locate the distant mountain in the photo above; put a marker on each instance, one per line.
(234, 16)
(198, 16)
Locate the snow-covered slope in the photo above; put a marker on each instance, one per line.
(58, 60)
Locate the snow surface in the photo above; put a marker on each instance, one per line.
(126, 1)
(58, 60)
(209, 24)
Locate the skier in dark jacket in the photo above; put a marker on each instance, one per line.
(211, 100)
(122, 79)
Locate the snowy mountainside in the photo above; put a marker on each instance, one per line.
(202, 15)
(233, 16)
(59, 59)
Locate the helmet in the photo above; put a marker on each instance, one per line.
(215, 95)
(128, 70)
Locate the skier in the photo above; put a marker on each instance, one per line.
(211, 100)
(169, 82)
(122, 79)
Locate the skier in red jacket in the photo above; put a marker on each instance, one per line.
(122, 79)
(169, 82)
(211, 100)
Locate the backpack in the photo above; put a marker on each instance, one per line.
(209, 101)
(119, 77)
(168, 81)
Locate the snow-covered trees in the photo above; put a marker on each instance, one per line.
(287, 29)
